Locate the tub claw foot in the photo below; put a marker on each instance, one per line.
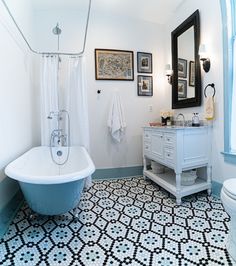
(75, 214)
(32, 216)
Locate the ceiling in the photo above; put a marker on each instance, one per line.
(156, 11)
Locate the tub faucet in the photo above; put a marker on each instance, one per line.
(58, 115)
(183, 121)
(50, 115)
(58, 138)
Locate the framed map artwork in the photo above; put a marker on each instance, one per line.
(114, 65)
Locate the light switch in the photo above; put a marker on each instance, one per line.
(149, 108)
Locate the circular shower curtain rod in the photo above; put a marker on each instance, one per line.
(52, 53)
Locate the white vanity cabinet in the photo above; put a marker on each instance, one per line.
(180, 149)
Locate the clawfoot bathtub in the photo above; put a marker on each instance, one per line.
(48, 188)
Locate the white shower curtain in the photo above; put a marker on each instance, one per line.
(49, 96)
(77, 106)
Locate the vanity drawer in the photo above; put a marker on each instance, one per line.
(169, 139)
(146, 146)
(169, 155)
(147, 135)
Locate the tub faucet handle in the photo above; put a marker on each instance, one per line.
(50, 116)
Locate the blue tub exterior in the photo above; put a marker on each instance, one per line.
(53, 199)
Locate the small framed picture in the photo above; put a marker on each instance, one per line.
(145, 85)
(144, 62)
(182, 88)
(182, 68)
(191, 73)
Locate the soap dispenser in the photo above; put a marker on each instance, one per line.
(195, 120)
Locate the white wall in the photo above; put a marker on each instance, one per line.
(22, 13)
(211, 35)
(71, 22)
(115, 33)
(120, 33)
(17, 99)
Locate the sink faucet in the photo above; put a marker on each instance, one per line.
(177, 118)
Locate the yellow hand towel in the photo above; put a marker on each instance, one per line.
(209, 108)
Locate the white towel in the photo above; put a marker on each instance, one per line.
(116, 120)
(209, 108)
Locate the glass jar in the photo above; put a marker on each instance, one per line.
(195, 120)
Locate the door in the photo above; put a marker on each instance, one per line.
(158, 145)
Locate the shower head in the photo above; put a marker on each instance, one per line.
(56, 30)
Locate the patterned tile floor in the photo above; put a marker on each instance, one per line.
(127, 221)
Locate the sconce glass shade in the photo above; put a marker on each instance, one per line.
(169, 71)
(202, 51)
(206, 63)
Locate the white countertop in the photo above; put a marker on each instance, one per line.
(174, 127)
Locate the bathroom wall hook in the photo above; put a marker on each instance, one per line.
(99, 91)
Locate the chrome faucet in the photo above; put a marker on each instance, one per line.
(177, 118)
(58, 138)
(55, 114)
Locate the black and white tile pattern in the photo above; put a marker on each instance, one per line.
(127, 221)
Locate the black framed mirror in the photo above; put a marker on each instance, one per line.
(186, 79)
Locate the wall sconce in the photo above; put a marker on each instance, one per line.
(169, 73)
(206, 64)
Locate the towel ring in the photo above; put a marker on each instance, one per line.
(214, 90)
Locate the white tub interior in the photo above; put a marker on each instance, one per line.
(37, 167)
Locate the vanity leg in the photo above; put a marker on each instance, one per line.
(209, 174)
(178, 188)
(144, 166)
